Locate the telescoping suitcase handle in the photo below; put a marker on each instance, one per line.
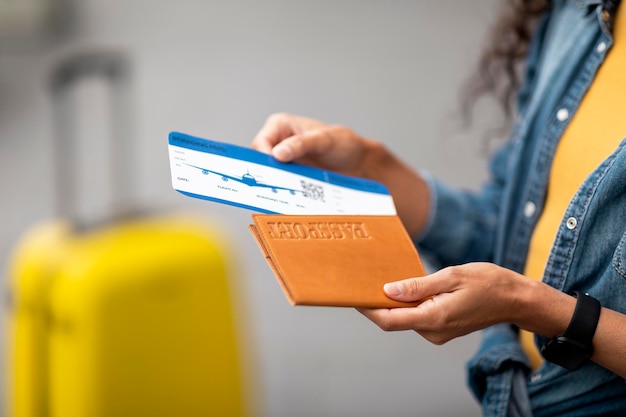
(114, 68)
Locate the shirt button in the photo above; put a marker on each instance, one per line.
(601, 47)
(562, 115)
(529, 209)
(571, 223)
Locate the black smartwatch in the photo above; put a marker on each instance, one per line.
(573, 348)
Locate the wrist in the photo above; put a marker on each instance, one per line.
(542, 309)
(409, 190)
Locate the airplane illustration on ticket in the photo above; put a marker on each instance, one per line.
(246, 178)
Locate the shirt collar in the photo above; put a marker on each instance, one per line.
(586, 5)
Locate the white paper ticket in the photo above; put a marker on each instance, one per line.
(244, 177)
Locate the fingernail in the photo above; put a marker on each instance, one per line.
(282, 152)
(393, 288)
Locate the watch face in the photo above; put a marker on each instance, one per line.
(566, 352)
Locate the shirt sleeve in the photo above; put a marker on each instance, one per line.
(463, 224)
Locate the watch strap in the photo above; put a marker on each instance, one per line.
(584, 322)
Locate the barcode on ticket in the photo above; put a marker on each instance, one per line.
(312, 190)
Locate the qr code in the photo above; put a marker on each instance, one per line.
(312, 191)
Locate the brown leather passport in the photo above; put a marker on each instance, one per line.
(337, 260)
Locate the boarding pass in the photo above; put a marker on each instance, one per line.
(246, 178)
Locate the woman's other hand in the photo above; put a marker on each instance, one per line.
(291, 138)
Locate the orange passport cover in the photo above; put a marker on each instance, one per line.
(337, 260)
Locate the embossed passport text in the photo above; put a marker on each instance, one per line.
(337, 260)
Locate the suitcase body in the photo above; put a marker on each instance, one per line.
(130, 316)
(130, 319)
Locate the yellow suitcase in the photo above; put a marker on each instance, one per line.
(129, 318)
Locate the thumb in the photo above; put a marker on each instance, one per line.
(312, 141)
(411, 289)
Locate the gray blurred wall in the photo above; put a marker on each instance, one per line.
(389, 69)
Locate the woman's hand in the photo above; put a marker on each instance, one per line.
(336, 148)
(462, 299)
(291, 138)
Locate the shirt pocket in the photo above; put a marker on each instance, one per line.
(619, 257)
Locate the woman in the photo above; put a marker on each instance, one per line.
(537, 257)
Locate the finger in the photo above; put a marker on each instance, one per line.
(276, 128)
(395, 319)
(315, 142)
(418, 319)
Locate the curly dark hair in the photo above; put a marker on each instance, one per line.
(499, 68)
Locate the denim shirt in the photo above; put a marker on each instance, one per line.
(496, 223)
